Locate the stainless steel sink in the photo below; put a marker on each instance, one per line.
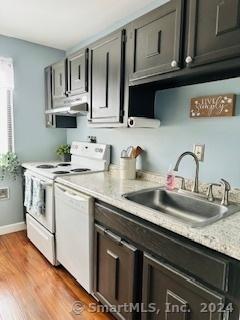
(190, 208)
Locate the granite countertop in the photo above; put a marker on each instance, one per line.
(222, 236)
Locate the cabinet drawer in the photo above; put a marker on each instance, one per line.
(41, 238)
(195, 260)
(175, 296)
(115, 273)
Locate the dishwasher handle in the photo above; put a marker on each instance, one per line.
(72, 194)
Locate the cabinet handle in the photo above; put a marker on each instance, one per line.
(174, 64)
(113, 236)
(189, 59)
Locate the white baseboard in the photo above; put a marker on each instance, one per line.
(12, 228)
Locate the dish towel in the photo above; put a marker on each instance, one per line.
(38, 197)
(28, 192)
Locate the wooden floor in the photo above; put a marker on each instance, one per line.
(30, 288)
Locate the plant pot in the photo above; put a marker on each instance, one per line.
(66, 158)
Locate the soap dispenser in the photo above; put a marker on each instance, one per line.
(170, 179)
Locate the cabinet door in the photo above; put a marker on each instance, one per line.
(214, 31)
(114, 276)
(59, 80)
(107, 83)
(156, 39)
(78, 73)
(175, 296)
(49, 118)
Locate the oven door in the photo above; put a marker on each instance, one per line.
(47, 217)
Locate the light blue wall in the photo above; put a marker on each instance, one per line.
(32, 140)
(178, 133)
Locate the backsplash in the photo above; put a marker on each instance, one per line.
(179, 133)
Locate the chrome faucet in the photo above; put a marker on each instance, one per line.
(189, 153)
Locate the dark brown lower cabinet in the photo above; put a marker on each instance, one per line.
(115, 274)
(170, 295)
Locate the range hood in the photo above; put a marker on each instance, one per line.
(70, 106)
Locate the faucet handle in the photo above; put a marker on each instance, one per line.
(210, 196)
(226, 188)
(226, 184)
(183, 185)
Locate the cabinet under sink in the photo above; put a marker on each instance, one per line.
(158, 273)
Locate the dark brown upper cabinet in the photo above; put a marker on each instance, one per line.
(213, 31)
(78, 73)
(59, 82)
(51, 120)
(157, 41)
(107, 78)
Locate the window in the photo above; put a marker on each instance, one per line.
(6, 105)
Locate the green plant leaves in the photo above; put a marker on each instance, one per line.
(63, 149)
(9, 165)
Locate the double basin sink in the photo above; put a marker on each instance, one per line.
(190, 208)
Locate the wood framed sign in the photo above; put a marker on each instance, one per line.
(213, 106)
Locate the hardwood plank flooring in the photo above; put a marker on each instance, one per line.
(32, 289)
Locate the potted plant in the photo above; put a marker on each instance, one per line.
(63, 151)
(9, 166)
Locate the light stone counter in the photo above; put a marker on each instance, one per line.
(222, 236)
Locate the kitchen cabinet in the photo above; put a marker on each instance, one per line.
(77, 73)
(51, 120)
(176, 278)
(213, 31)
(175, 296)
(180, 43)
(58, 82)
(115, 276)
(157, 41)
(107, 78)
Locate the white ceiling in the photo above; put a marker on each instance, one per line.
(63, 23)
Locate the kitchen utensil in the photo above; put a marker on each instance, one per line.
(129, 151)
(137, 151)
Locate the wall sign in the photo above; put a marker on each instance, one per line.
(213, 106)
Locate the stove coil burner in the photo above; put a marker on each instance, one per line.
(61, 172)
(63, 164)
(80, 170)
(45, 166)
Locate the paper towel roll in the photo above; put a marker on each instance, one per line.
(141, 122)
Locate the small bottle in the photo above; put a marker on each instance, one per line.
(170, 181)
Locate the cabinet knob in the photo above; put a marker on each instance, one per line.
(174, 64)
(189, 59)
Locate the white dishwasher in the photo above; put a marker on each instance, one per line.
(74, 233)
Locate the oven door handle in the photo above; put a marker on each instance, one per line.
(45, 185)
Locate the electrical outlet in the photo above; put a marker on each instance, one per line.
(199, 149)
(4, 193)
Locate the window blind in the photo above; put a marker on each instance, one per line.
(6, 105)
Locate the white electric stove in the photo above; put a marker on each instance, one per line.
(86, 158)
